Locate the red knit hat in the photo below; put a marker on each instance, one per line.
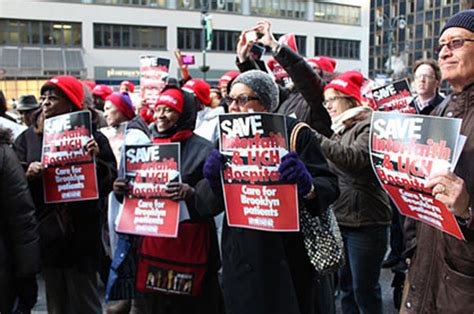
(226, 78)
(278, 72)
(171, 97)
(102, 90)
(200, 89)
(348, 83)
(324, 63)
(70, 86)
(130, 85)
(123, 103)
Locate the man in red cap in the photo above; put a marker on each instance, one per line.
(100, 93)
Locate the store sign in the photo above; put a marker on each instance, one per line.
(116, 73)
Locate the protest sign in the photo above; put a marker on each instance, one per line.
(254, 197)
(70, 171)
(395, 96)
(148, 210)
(153, 74)
(405, 149)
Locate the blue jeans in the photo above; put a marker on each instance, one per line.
(365, 249)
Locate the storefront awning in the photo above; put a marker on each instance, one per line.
(39, 62)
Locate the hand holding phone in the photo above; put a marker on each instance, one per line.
(187, 59)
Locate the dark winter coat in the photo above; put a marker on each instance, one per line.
(81, 249)
(19, 240)
(362, 202)
(194, 152)
(270, 272)
(432, 104)
(441, 273)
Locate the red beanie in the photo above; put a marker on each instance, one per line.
(70, 86)
(348, 83)
(278, 72)
(130, 86)
(324, 63)
(173, 98)
(226, 78)
(102, 90)
(200, 89)
(123, 103)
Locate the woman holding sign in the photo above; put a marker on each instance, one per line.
(362, 210)
(69, 230)
(269, 272)
(179, 275)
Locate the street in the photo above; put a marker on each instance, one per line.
(386, 280)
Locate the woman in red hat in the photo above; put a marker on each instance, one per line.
(70, 262)
(175, 115)
(362, 209)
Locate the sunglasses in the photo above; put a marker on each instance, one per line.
(453, 44)
(241, 100)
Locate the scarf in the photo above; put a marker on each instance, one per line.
(338, 125)
(179, 136)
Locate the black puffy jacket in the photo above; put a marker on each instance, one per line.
(19, 241)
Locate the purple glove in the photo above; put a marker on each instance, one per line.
(293, 170)
(215, 163)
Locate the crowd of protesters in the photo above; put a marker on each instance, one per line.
(240, 270)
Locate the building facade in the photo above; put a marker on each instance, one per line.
(102, 40)
(410, 29)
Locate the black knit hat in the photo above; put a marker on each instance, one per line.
(463, 19)
(262, 85)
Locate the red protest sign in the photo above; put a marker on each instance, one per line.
(153, 75)
(254, 197)
(147, 209)
(70, 171)
(405, 149)
(395, 96)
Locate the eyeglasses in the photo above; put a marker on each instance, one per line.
(241, 100)
(329, 101)
(453, 44)
(425, 77)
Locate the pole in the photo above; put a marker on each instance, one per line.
(203, 45)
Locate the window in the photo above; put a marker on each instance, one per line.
(214, 5)
(337, 48)
(336, 13)
(129, 36)
(279, 8)
(40, 33)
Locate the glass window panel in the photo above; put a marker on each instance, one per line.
(67, 33)
(34, 33)
(126, 36)
(116, 36)
(23, 32)
(57, 34)
(3, 31)
(153, 37)
(136, 37)
(98, 41)
(47, 35)
(13, 30)
(76, 34)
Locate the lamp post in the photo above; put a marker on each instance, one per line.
(204, 9)
(393, 23)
